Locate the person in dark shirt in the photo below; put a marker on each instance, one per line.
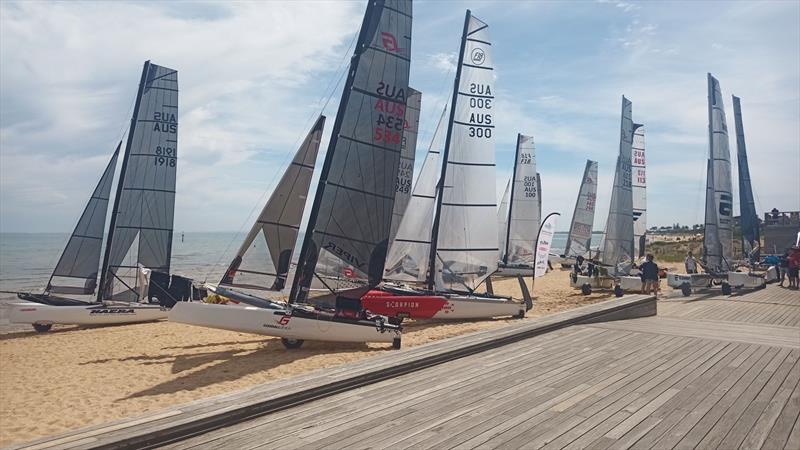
(649, 276)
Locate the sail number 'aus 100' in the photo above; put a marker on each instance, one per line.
(480, 122)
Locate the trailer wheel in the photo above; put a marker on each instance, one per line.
(586, 289)
(618, 291)
(520, 315)
(42, 327)
(292, 343)
(396, 343)
(686, 289)
(726, 288)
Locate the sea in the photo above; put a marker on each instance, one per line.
(27, 259)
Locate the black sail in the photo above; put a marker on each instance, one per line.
(352, 213)
(81, 257)
(144, 208)
(262, 262)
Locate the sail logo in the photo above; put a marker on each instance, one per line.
(478, 56)
(113, 311)
(389, 43)
(285, 320)
(343, 254)
(725, 204)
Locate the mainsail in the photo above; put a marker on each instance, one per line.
(502, 220)
(618, 248)
(579, 238)
(262, 261)
(141, 221)
(464, 248)
(639, 191)
(408, 150)
(747, 204)
(407, 259)
(718, 236)
(352, 213)
(525, 207)
(81, 257)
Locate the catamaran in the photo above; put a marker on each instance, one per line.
(463, 248)
(351, 215)
(579, 237)
(618, 247)
(523, 215)
(140, 231)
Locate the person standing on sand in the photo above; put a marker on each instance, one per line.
(794, 268)
(649, 276)
(783, 268)
(690, 263)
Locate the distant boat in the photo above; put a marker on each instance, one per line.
(463, 245)
(521, 224)
(140, 231)
(351, 216)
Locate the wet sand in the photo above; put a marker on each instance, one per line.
(73, 377)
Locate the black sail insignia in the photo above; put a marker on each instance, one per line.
(262, 262)
(352, 213)
(141, 226)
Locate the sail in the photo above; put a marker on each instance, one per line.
(747, 204)
(352, 213)
(81, 257)
(465, 229)
(719, 207)
(525, 206)
(262, 261)
(408, 150)
(618, 248)
(639, 183)
(579, 238)
(144, 207)
(502, 219)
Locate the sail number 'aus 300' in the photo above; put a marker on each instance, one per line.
(479, 121)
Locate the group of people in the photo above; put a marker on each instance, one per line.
(789, 266)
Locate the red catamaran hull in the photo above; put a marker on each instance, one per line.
(438, 306)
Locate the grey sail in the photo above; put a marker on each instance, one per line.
(719, 207)
(502, 219)
(81, 257)
(579, 238)
(405, 173)
(525, 207)
(747, 204)
(352, 213)
(639, 182)
(262, 262)
(618, 246)
(142, 219)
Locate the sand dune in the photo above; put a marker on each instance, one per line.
(73, 377)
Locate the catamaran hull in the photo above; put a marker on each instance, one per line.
(512, 271)
(38, 314)
(280, 323)
(454, 307)
(619, 285)
(744, 280)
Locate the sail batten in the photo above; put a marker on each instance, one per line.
(263, 264)
(352, 213)
(81, 256)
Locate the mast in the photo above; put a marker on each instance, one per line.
(436, 216)
(120, 182)
(511, 201)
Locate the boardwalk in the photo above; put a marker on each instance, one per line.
(710, 372)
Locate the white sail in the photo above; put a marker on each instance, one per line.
(408, 149)
(579, 238)
(639, 191)
(502, 219)
(618, 248)
(718, 238)
(524, 207)
(466, 232)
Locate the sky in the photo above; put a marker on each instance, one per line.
(254, 75)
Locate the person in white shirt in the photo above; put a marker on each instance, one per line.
(690, 263)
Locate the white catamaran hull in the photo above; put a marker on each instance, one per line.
(627, 284)
(36, 313)
(513, 271)
(744, 280)
(280, 323)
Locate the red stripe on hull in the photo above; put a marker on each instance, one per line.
(413, 306)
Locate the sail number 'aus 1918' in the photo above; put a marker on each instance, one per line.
(165, 156)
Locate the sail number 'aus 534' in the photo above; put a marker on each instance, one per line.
(390, 123)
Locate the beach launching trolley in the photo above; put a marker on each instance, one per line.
(351, 215)
(139, 238)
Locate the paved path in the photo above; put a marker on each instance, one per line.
(707, 372)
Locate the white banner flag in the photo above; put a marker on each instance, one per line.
(544, 241)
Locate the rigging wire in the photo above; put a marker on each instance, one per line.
(333, 84)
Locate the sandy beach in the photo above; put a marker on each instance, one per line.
(74, 377)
